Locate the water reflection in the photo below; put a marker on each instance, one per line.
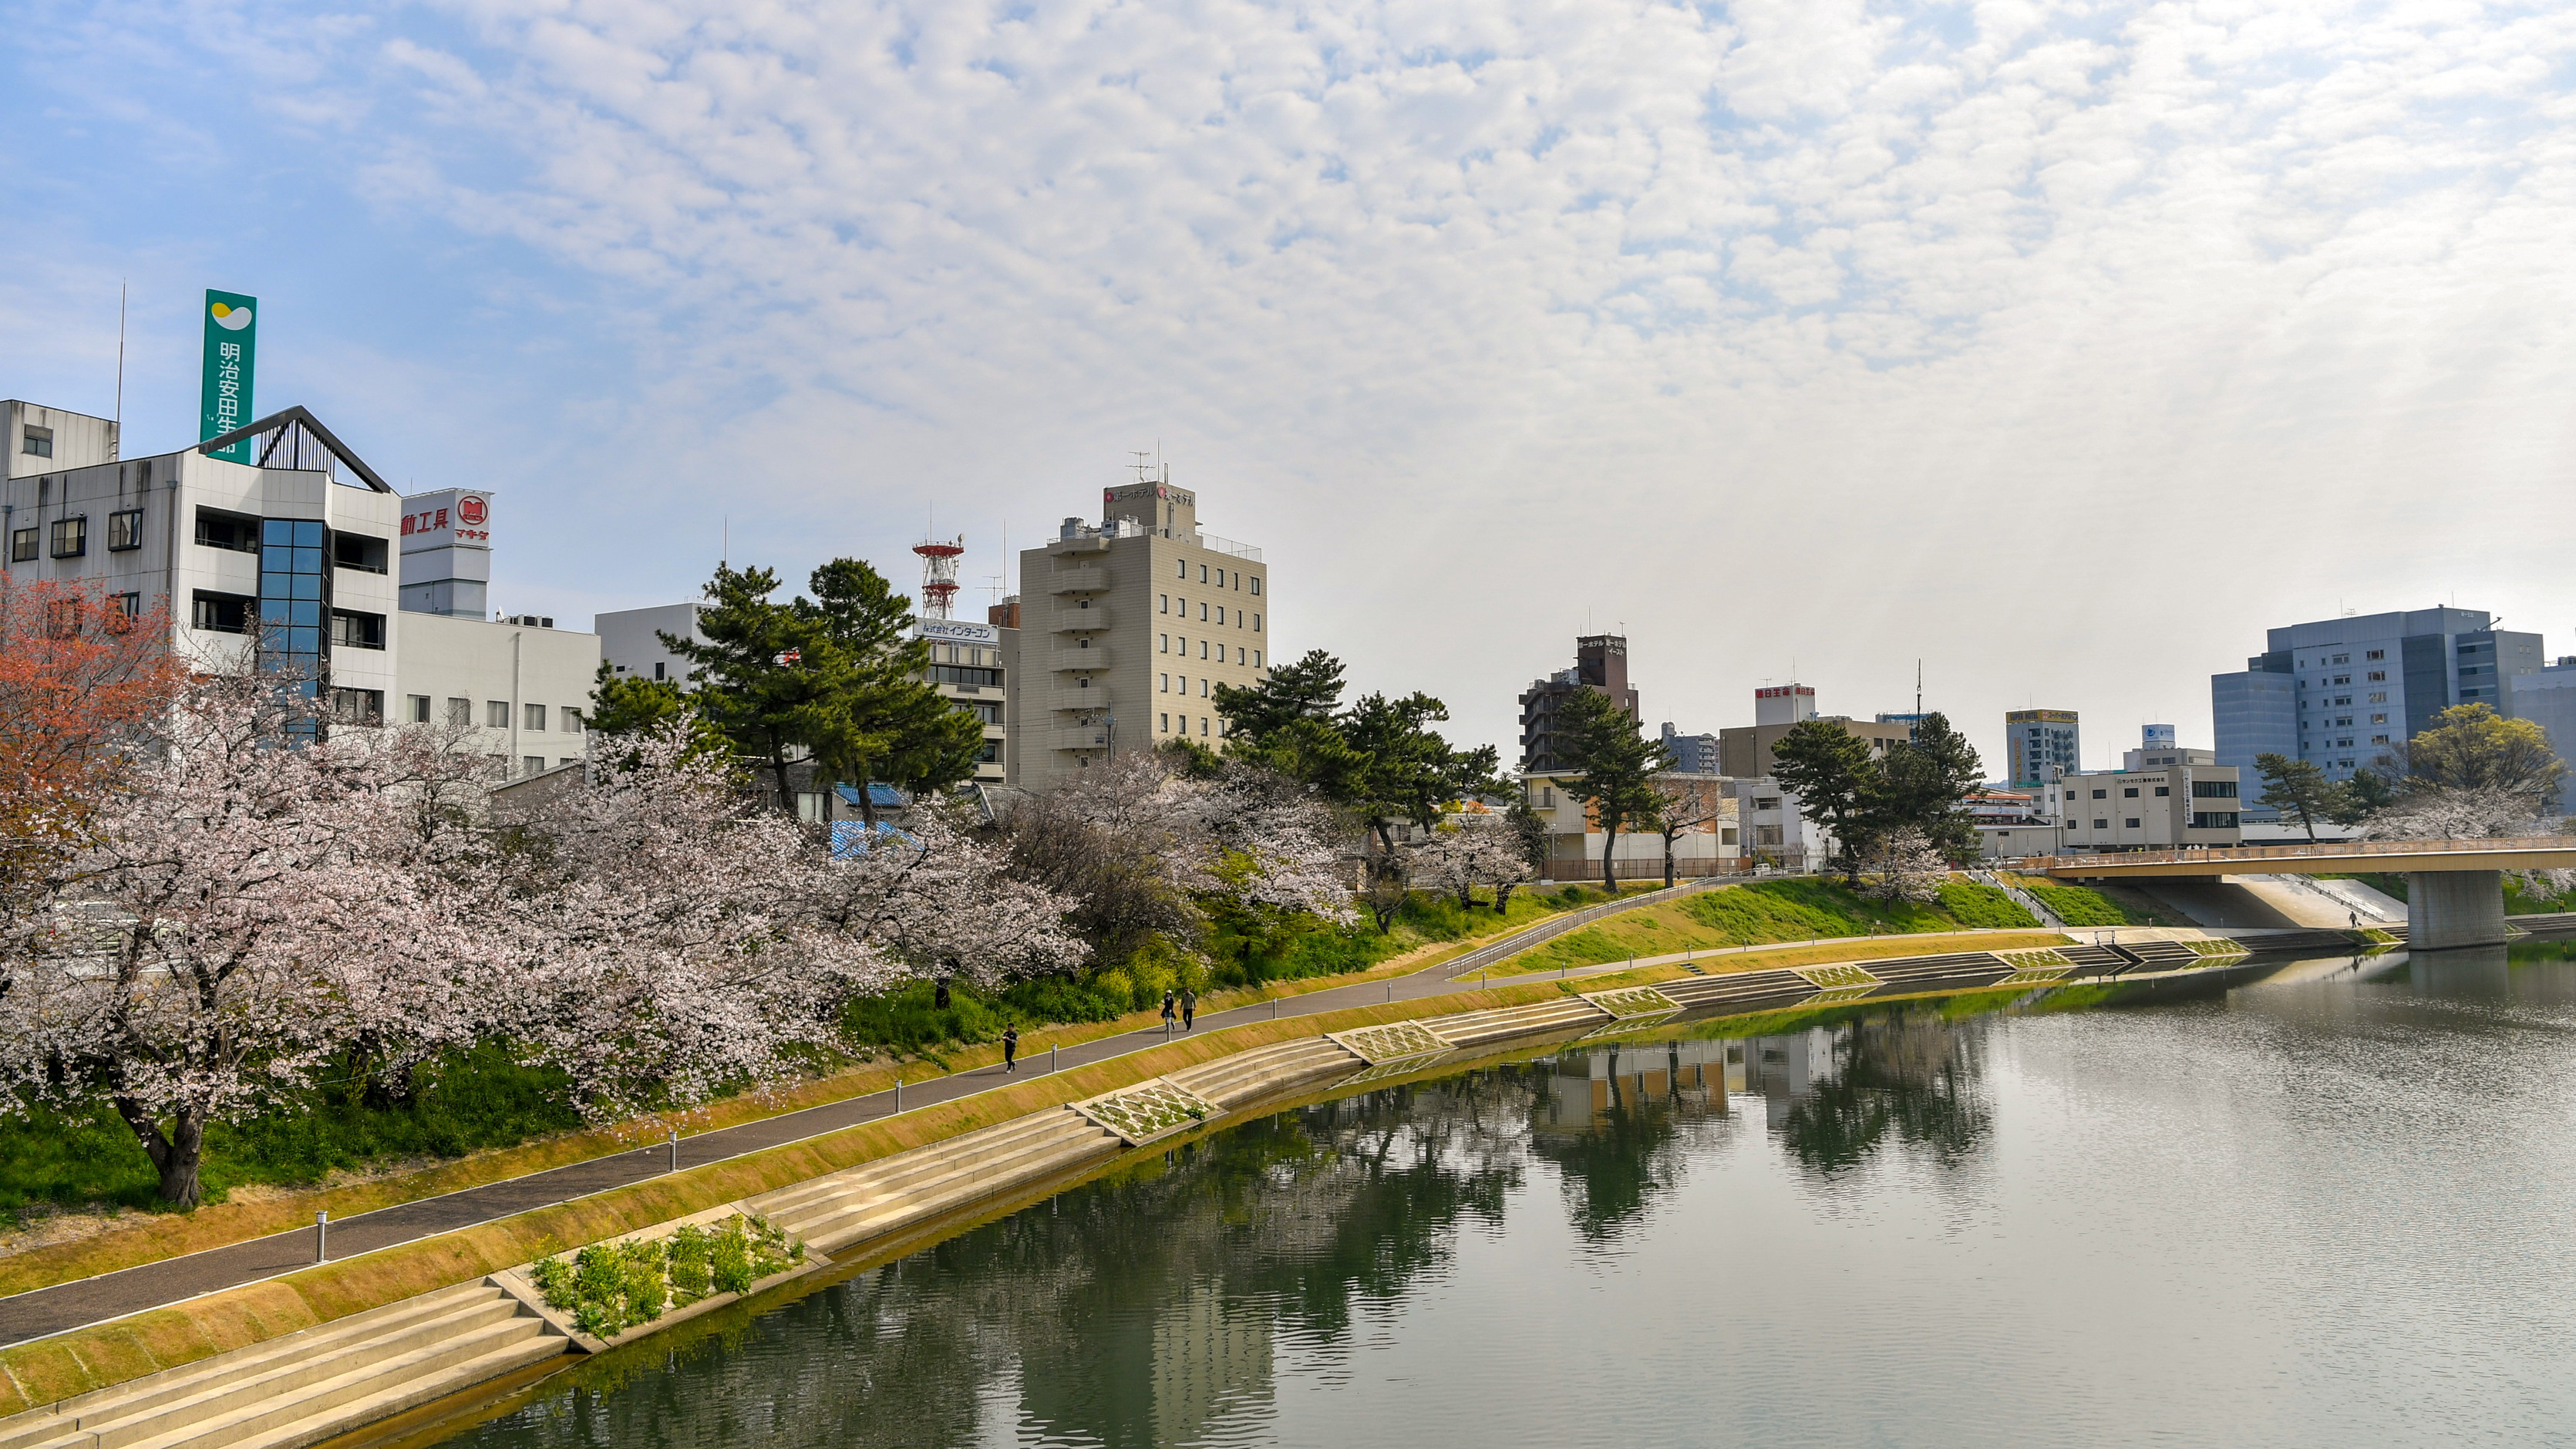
(1209, 1295)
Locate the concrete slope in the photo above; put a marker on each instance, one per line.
(2231, 904)
(305, 1387)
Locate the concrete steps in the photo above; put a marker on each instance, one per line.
(1477, 1027)
(1741, 990)
(307, 1386)
(830, 1213)
(1962, 970)
(1264, 1070)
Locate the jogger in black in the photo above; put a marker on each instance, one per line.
(1010, 1048)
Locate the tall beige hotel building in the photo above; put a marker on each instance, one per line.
(1125, 630)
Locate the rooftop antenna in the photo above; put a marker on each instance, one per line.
(1918, 689)
(724, 549)
(1162, 470)
(1143, 468)
(113, 447)
(939, 575)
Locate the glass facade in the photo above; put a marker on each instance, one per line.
(295, 601)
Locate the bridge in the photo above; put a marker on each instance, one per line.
(2454, 888)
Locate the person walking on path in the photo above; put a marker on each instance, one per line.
(1189, 1009)
(1167, 1011)
(1010, 1049)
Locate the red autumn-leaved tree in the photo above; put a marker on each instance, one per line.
(80, 679)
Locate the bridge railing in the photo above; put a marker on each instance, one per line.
(2322, 850)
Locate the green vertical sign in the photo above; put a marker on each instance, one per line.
(232, 335)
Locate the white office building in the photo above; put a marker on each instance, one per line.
(304, 542)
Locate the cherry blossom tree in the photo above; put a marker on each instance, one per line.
(670, 939)
(231, 918)
(1469, 851)
(1902, 865)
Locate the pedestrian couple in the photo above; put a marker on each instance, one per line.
(1188, 1004)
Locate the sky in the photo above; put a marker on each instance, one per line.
(2060, 347)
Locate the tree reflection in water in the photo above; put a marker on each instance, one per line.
(1147, 1306)
(1915, 1073)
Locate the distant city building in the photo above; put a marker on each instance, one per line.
(2040, 745)
(1127, 630)
(2159, 808)
(2340, 692)
(1745, 751)
(631, 640)
(1692, 754)
(2547, 697)
(1575, 841)
(1600, 665)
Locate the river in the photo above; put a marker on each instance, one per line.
(2334, 1203)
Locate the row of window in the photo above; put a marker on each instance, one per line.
(2347, 659)
(1165, 686)
(1242, 655)
(1165, 607)
(496, 714)
(71, 536)
(1164, 724)
(1225, 578)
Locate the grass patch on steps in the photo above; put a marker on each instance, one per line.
(608, 1288)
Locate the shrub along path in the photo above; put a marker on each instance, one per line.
(43, 1311)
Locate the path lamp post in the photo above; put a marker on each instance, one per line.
(322, 1236)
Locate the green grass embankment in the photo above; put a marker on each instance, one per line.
(1764, 911)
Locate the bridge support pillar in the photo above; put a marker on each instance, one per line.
(2447, 908)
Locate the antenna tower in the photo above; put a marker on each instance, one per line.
(939, 575)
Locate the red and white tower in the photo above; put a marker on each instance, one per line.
(939, 575)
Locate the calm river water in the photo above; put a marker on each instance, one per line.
(2334, 1206)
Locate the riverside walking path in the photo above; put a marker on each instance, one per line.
(42, 1311)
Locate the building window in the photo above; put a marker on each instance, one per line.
(2101, 824)
(533, 718)
(37, 442)
(2377, 676)
(358, 706)
(359, 552)
(71, 536)
(2380, 698)
(219, 613)
(1256, 587)
(2213, 820)
(496, 714)
(1202, 573)
(416, 708)
(1162, 643)
(1203, 726)
(229, 531)
(1163, 724)
(2129, 792)
(2101, 794)
(124, 530)
(293, 594)
(1203, 646)
(1166, 686)
(1203, 608)
(2163, 790)
(2379, 719)
(532, 764)
(1165, 606)
(357, 631)
(2343, 679)
(1256, 659)
(571, 720)
(657, 669)
(22, 545)
(2379, 739)
(1183, 565)
(1256, 622)
(460, 712)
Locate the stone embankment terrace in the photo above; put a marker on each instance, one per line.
(304, 1387)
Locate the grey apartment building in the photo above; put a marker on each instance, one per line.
(2340, 692)
(1126, 631)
